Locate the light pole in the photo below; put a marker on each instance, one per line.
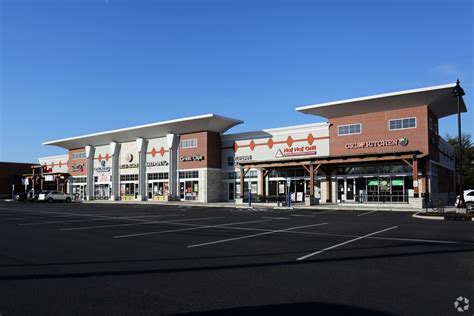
(458, 92)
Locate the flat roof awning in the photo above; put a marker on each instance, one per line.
(438, 98)
(344, 159)
(207, 122)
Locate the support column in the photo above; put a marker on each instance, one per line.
(114, 151)
(90, 172)
(328, 188)
(173, 144)
(141, 147)
(415, 176)
(262, 174)
(311, 180)
(242, 179)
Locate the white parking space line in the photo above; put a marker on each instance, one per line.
(369, 212)
(191, 228)
(79, 214)
(345, 243)
(269, 217)
(124, 218)
(141, 223)
(323, 212)
(254, 235)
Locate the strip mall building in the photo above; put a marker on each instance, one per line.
(378, 149)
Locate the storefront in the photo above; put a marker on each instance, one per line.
(158, 186)
(377, 149)
(79, 188)
(189, 185)
(102, 187)
(379, 183)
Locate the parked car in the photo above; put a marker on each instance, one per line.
(469, 199)
(22, 197)
(53, 196)
(30, 196)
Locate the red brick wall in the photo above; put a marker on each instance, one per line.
(375, 128)
(208, 145)
(433, 138)
(80, 163)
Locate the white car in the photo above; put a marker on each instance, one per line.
(52, 196)
(469, 199)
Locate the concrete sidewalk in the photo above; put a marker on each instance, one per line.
(265, 206)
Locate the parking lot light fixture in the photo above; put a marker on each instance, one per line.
(458, 92)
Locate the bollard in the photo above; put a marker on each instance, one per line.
(250, 198)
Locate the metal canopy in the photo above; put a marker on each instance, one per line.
(439, 99)
(207, 122)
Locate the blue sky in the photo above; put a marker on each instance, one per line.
(74, 67)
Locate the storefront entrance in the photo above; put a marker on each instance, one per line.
(157, 190)
(102, 191)
(188, 190)
(79, 192)
(129, 191)
(231, 191)
(377, 189)
(78, 188)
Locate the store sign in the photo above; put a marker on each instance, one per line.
(47, 169)
(102, 167)
(103, 179)
(296, 151)
(49, 178)
(378, 143)
(233, 161)
(157, 163)
(192, 158)
(129, 166)
(129, 157)
(77, 167)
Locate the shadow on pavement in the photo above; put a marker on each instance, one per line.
(292, 309)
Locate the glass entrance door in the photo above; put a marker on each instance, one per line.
(189, 190)
(350, 189)
(231, 191)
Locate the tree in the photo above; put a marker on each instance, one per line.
(467, 159)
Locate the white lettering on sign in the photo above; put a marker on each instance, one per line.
(192, 158)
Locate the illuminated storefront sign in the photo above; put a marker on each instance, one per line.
(378, 143)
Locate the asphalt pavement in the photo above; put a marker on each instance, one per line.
(77, 259)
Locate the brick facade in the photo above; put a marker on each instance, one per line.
(77, 167)
(375, 127)
(208, 146)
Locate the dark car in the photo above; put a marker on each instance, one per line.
(22, 197)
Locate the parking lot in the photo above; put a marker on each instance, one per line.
(157, 259)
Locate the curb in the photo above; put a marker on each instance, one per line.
(437, 218)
